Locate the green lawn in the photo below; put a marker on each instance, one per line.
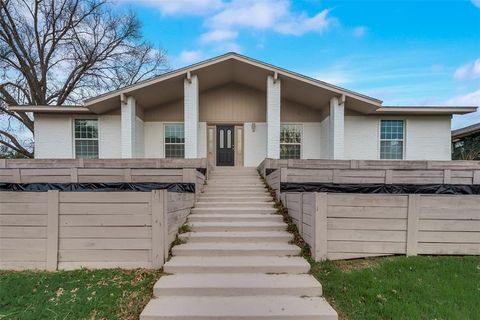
(403, 287)
(81, 294)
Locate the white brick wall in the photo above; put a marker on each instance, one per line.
(361, 138)
(138, 138)
(273, 117)
(191, 108)
(154, 139)
(324, 139)
(426, 137)
(255, 143)
(311, 144)
(53, 137)
(109, 140)
(202, 140)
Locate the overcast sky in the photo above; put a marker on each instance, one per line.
(402, 52)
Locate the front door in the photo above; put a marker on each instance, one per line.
(225, 146)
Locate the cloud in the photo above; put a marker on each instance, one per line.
(190, 56)
(274, 15)
(359, 31)
(182, 7)
(218, 35)
(476, 3)
(469, 99)
(336, 77)
(468, 71)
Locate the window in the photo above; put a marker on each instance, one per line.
(290, 141)
(86, 138)
(391, 139)
(174, 141)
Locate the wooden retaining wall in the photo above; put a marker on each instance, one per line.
(68, 230)
(375, 171)
(347, 226)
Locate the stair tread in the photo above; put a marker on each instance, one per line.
(237, 234)
(238, 261)
(247, 246)
(238, 223)
(255, 307)
(236, 280)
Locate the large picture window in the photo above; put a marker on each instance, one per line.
(290, 141)
(174, 141)
(391, 139)
(86, 138)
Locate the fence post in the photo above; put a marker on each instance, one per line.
(476, 177)
(413, 213)
(159, 227)
(388, 176)
(447, 176)
(320, 227)
(74, 174)
(52, 230)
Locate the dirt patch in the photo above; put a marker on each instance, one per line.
(359, 264)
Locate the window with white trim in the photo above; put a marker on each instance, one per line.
(290, 141)
(86, 138)
(391, 139)
(174, 141)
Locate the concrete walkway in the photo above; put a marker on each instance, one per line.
(238, 261)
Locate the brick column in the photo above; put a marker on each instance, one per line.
(191, 108)
(273, 117)
(336, 134)
(128, 127)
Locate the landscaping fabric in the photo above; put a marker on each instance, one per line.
(380, 188)
(99, 187)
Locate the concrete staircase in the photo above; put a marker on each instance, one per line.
(238, 261)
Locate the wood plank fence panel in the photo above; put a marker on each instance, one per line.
(68, 230)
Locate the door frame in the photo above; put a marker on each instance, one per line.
(239, 140)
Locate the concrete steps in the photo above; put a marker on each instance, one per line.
(238, 236)
(239, 308)
(228, 210)
(226, 193)
(210, 204)
(207, 249)
(239, 226)
(229, 217)
(236, 264)
(206, 197)
(238, 284)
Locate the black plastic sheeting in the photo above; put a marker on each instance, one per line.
(268, 171)
(202, 171)
(381, 188)
(99, 187)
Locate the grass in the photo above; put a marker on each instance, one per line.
(80, 294)
(403, 287)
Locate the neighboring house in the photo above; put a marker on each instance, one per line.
(466, 143)
(237, 111)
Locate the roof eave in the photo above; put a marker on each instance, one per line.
(426, 110)
(52, 109)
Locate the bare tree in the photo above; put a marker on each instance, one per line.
(58, 52)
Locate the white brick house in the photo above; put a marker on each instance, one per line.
(235, 110)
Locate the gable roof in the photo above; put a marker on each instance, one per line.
(237, 57)
(234, 67)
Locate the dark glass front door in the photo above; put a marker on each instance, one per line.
(225, 147)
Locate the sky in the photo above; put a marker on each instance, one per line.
(406, 53)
